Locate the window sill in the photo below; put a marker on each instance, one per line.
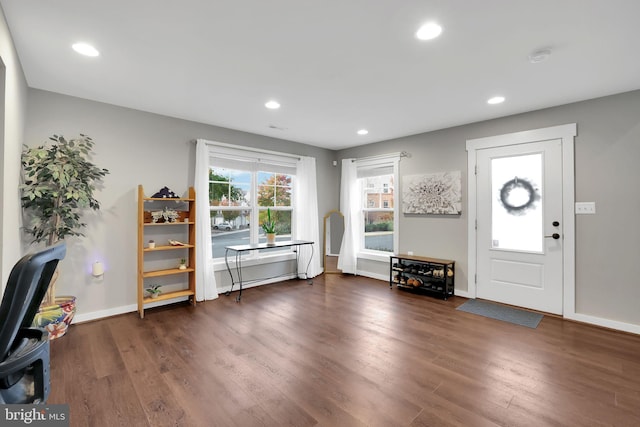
(219, 264)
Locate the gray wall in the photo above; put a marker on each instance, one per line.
(607, 152)
(13, 111)
(137, 148)
(155, 150)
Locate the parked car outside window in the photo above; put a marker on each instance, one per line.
(223, 226)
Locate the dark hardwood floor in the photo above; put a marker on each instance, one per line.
(347, 351)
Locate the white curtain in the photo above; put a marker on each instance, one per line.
(306, 217)
(205, 278)
(349, 205)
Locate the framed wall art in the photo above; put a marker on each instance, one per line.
(434, 193)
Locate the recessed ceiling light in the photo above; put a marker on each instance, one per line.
(85, 49)
(272, 105)
(429, 31)
(363, 132)
(495, 100)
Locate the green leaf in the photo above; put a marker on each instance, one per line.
(58, 180)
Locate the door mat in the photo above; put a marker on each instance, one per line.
(501, 312)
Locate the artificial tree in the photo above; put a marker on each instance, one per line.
(58, 184)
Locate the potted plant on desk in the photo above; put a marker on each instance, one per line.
(269, 227)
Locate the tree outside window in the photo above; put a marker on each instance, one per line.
(228, 190)
(233, 201)
(274, 192)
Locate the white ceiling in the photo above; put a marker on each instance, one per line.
(336, 66)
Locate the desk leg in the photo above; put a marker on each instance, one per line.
(239, 272)
(226, 261)
(306, 272)
(296, 249)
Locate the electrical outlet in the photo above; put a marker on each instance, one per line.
(585, 208)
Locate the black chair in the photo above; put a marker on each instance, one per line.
(24, 350)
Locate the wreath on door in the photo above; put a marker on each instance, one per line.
(514, 185)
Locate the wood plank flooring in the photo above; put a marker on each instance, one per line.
(347, 351)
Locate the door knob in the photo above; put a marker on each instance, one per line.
(555, 236)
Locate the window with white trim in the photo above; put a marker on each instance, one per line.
(376, 181)
(244, 186)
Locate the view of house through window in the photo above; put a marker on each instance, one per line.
(238, 196)
(378, 212)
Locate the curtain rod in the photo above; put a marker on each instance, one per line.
(383, 156)
(252, 149)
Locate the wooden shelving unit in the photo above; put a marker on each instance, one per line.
(185, 225)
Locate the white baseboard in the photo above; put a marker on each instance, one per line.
(460, 293)
(606, 323)
(385, 278)
(100, 314)
(225, 289)
(382, 277)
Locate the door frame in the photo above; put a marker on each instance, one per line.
(565, 133)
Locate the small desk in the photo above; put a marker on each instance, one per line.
(239, 249)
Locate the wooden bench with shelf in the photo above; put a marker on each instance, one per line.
(432, 276)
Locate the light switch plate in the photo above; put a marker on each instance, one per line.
(585, 208)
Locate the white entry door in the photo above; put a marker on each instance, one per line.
(519, 225)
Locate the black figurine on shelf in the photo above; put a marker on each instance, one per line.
(165, 193)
